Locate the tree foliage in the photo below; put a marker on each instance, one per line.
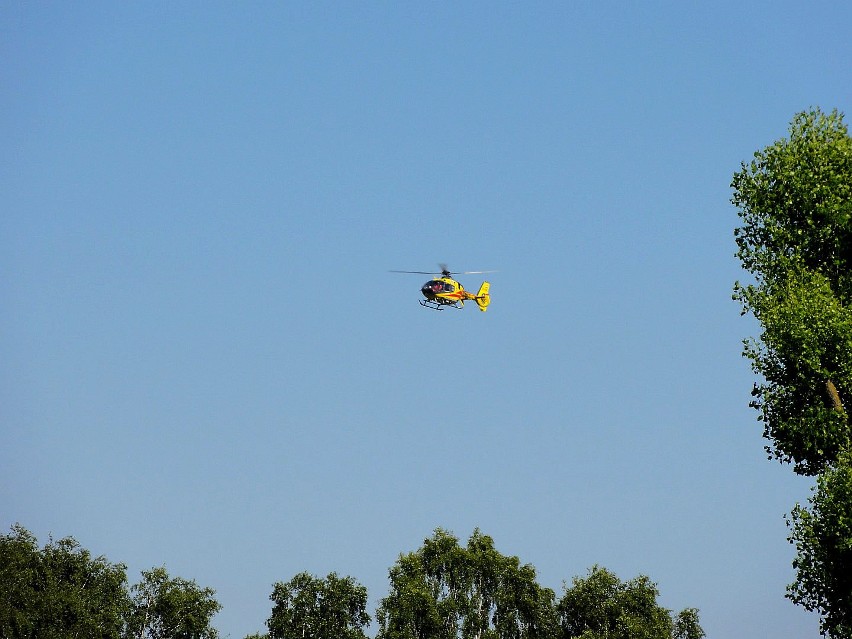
(805, 357)
(601, 606)
(310, 607)
(446, 591)
(441, 591)
(170, 608)
(795, 201)
(687, 626)
(59, 591)
(823, 540)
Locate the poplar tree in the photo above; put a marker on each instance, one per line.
(795, 202)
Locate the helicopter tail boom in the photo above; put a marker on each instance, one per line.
(483, 297)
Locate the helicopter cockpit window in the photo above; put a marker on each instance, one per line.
(435, 285)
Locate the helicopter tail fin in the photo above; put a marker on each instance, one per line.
(483, 297)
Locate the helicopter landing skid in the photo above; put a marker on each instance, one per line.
(435, 306)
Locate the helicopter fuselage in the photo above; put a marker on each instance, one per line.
(444, 291)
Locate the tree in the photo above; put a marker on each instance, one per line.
(686, 625)
(795, 199)
(59, 591)
(445, 591)
(823, 540)
(601, 606)
(167, 608)
(307, 607)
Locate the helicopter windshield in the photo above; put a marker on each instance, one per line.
(437, 286)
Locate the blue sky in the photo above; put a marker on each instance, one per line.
(206, 364)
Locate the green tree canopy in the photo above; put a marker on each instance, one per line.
(170, 608)
(310, 607)
(795, 201)
(687, 626)
(446, 591)
(795, 198)
(59, 591)
(601, 606)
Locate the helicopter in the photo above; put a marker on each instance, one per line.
(445, 291)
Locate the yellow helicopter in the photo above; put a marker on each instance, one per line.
(445, 291)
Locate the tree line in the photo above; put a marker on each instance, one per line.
(443, 590)
(795, 201)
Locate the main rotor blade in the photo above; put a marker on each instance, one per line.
(444, 272)
(416, 272)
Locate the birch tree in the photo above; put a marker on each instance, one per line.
(307, 607)
(170, 608)
(446, 591)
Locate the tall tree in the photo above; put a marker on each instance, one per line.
(795, 199)
(446, 591)
(601, 606)
(170, 608)
(59, 591)
(307, 607)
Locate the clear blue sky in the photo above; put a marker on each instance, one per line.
(204, 362)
